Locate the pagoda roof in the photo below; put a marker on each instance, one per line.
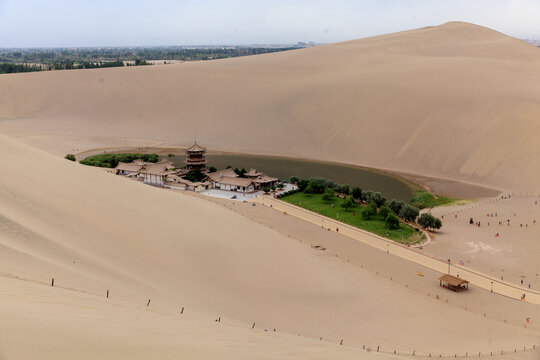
(196, 147)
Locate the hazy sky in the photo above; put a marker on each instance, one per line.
(33, 23)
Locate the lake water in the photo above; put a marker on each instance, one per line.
(283, 168)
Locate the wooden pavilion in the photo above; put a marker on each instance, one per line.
(453, 283)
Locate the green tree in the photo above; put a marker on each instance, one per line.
(212, 169)
(316, 186)
(294, 179)
(302, 184)
(328, 195)
(409, 213)
(280, 186)
(195, 175)
(273, 187)
(266, 189)
(369, 211)
(396, 206)
(342, 189)
(428, 221)
(392, 221)
(384, 212)
(373, 196)
(347, 203)
(357, 193)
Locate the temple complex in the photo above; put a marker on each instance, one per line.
(165, 174)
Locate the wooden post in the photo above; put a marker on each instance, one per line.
(253, 327)
(341, 342)
(148, 304)
(182, 311)
(52, 282)
(413, 352)
(377, 348)
(107, 294)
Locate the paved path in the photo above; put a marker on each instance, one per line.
(441, 265)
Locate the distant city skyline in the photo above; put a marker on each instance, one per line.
(102, 23)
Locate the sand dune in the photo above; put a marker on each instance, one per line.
(92, 231)
(458, 101)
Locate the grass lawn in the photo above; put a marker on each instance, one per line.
(423, 199)
(406, 234)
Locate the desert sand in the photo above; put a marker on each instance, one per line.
(93, 231)
(432, 96)
(457, 101)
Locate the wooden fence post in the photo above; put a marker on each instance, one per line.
(52, 282)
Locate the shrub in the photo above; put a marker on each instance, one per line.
(294, 179)
(266, 189)
(273, 187)
(392, 221)
(212, 169)
(280, 185)
(70, 157)
(409, 213)
(170, 155)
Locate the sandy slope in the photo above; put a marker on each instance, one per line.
(456, 100)
(93, 231)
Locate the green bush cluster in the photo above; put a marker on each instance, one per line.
(70, 157)
(112, 160)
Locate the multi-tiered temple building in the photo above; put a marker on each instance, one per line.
(196, 158)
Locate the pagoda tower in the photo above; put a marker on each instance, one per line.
(196, 158)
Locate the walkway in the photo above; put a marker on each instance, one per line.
(440, 265)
